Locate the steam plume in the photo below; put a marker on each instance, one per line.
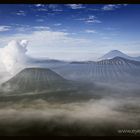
(14, 55)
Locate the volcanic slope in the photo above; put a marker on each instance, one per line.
(117, 69)
(37, 79)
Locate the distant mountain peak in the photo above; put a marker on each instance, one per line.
(113, 54)
(115, 51)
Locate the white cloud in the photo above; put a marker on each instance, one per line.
(21, 13)
(75, 6)
(55, 7)
(92, 9)
(21, 28)
(111, 29)
(61, 45)
(41, 27)
(58, 44)
(57, 24)
(4, 28)
(41, 42)
(110, 7)
(39, 5)
(124, 4)
(105, 37)
(90, 31)
(40, 20)
(90, 19)
(28, 28)
(42, 9)
(47, 7)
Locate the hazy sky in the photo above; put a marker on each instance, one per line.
(79, 31)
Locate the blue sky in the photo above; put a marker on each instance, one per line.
(78, 31)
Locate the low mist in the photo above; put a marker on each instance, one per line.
(94, 117)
